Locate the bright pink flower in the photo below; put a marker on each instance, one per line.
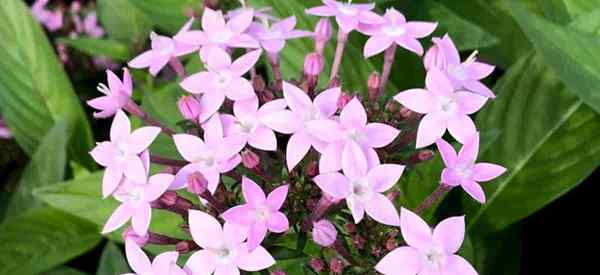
(5, 133)
(428, 251)
(120, 155)
(163, 49)
(164, 264)
(273, 38)
(397, 30)
(260, 213)
(462, 170)
(347, 15)
(261, 13)
(52, 20)
(215, 155)
(224, 250)
(302, 111)
(362, 188)
(466, 75)
(223, 78)
(443, 108)
(324, 233)
(217, 33)
(189, 107)
(91, 27)
(115, 97)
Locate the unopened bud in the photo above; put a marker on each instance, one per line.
(391, 244)
(434, 58)
(358, 242)
(278, 272)
(343, 100)
(250, 159)
(184, 247)
(373, 85)
(316, 264)
(266, 96)
(421, 156)
(197, 183)
(189, 107)
(312, 169)
(259, 83)
(322, 35)
(324, 233)
(313, 64)
(129, 234)
(335, 82)
(169, 198)
(392, 106)
(336, 265)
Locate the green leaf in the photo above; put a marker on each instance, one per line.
(170, 19)
(548, 143)
(494, 254)
(555, 11)
(64, 270)
(42, 239)
(99, 47)
(112, 261)
(34, 89)
(123, 21)
(577, 8)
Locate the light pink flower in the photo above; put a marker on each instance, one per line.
(324, 233)
(428, 251)
(362, 188)
(261, 13)
(347, 15)
(294, 121)
(273, 38)
(223, 78)
(466, 75)
(52, 20)
(91, 27)
(217, 33)
(5, 133)
(163, 49)
(212, 156)
(260, 213)
(443, 108)
(397, 30)
(115, 97)
(164, 264)
(462, 170)
(120, 155)
(224, 251)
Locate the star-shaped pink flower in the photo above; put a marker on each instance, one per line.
(362, 188)
(260, 213)
(120, 155)
(115, 97)
(163, 49)
(52, 20)
(164, 264)
(466, 75)
(293, 121)
(273, 38)
(397, 30)
(347, 15)
(215, 155)
(443, 108)
(223, 248)
(222, 79)
(428, 251)
(462, 170)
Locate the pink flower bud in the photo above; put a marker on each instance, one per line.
(373, 85)
(336, 265)
(421, 156)
(358, 241)
(131, 235)
(189, 107)
(169, 198)
(197, 184)
(343, 100)
(316, 264)
(312, 169)
(313, 64)
(391, 244)
(75, 7)
(278, 272)
(324, 233)
(322, 34)
(350, 227)
(434, 58)
(250, 159)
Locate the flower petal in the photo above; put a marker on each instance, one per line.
(137, 259)
(462, 128)
(140, 221)
(478, 70)
(326, 101)
(210, 103)
(431, 128)
(357, 209)
(415, 231)
(263, 138)
(447, 152)
(277, 197)
(206, 230)
(420, 29)
(296, 99)
(354, 161)
(142, 61)
(381, 209)
(468, 153)
(487, 171)
(297, 148)
(401, 261)
(240, 22)
(326, 130)
(377, 44)
(256, 235)
(380, 135)
(331, 158)
(457, 265)
(163, 263)
(240, 215)
(245, 108)
(240, 89)
(190, 147)
(417, 100)
(253, 194)
(347, 23)
(354, 114)
(321, 11)
(410, 44)
(278, 223)
(474, 190)
(140, 139)
(383, 177)
(118, 218)
(437, 82)
(469, 102)
(256, 260)
(450, 233)
(201, 262)
(212, 20)
(243, 64)
(111, 179)
(285, 122)
(120, 127)
(197, 83)
(135, 170)
(157, 185)
(334, 184)
(218, 59)
(479, 88)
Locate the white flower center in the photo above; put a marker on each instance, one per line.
(348, 9)
(361, 189)
(263, 213)
(356, 135)
(225, 255)
(221, 37)
(122, 151)
(459, 73)
(222, 79)
(136, 195)
(393, 30)
(247, 125)
(449, 105)
(271, 35)
(162, 44)
(463, 171)
(434, 258)
(208, 161)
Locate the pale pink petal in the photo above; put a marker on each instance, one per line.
(229, 146)
(201, 262)
(321, 11)
(118, 218)
(347, 23)
(457, 265)
(263, 138)
(213, 131)
(478, 70)
(385, 176)
(243, 41)
(410, 44)
(296, 99)
(142, 61)
(103, 153)
(367, 16)
(233, 234)
(334, 184)
(487, 171)
(462, 128)
(354, 114)
(276, 198)
(243, 64)
(420, 29)
(218, 59)
(212, 20)
(372, 157)
(285, 122)
(326, 130)
(256, 260)
(474, 190)
(437, 83)
(140, 221)
(357, 209)
(230, 269)
(135, 170)
(240, 215)
(193, 37)
(246, 108)
(140, 139)
(449, 49)
(381, 209)
(377, 44)
(197, 83)
(469, 102)
(137, 259)
(394, 16)
(158, 184)
(272, 106)
(354, 161)
(331, 158)
(447, 152)
(120, 128)
(256, 235)
(285, 25)
(209, 105)
(380, 135)
(164, 262)
(326, 101)
(114, 83)
(278, 223)
(297, 148)
(479, 88)
(190, 147)
(415, 231)
(240, 22)
(450, 233)
(273, 45)
(206, 230)
(468, 153)
(158, 64)
(297, 34)
(417, 100)
(253, 194)
(451, 177)
(401, 261)
(111, 179)
(213, 177)
(431, 128)
(240, 89)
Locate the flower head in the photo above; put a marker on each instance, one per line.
(91, 27)
(115, 97)
(163, 264)
(347, 15)
(273, 38)
(324, 233)
(52, 20)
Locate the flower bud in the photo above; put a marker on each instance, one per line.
(250, 159)
(312, 169)
(197, 184)
(316, 264)
(278, 272)
(324, 233)
(421, 156)
(392, 106)
(358, 242)
(183, 247)
(189, 107)
(373, 85)
(129, 234)
(322, 35)
(169, 198)
(391, 244)
(393, 195)
(336, 265)
(313, 64)
(343, 100)
(75, 7)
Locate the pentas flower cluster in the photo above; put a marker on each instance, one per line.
(297, 155)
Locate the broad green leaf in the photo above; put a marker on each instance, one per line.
(548, 143)
(112, 261)
(64, 270)
(34, 89)
(161, 103)
(580, 7)
(99, 47)
(555, 11)
(123, 21)
(494, 254)
(42, 239)
(589, 22)
(571, 53)
(168, 15)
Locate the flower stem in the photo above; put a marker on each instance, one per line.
(342, 38)
(274, 60)
(433, 198)
(177, 66)
(159, 239)
(137, 111)
(388, 61)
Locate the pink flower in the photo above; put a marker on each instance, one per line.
(260, 213)
(428, 251)
(397, 30)
(4, 131)
(163, 49)
(223, 79)
(164, 264)
(302, 111)
(261, 13)
(52, 20)
(462, 170)
(120, 155)
(91, 27)
(215, 155)
(324, 233)
(466, 75)
(362, 188)
(224, 250)
(443, 108)
(217, 33)
(347, 15)
(116, 95)
(272, 39)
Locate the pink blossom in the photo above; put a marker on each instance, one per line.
(347, 15)
(428, 251)
(223, 248)
(362, 188)
(293, 121)
(120, 155)
(52, 20)
(443, 108)
(5, 133)
(324, 233)
(223, 78)
(273, 38)
(212, 156)
(163, 49)
(261, 13)
(462, 170)
(260, 213)
(189, 107)
(466, 75)
(116, 95)
(91, 27)
(164, 264)
(397, 30)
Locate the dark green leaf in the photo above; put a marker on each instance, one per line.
(112, 261)
(123, 21)
(168, 15)
(99, 47)
(64, 270)
(496, 254)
